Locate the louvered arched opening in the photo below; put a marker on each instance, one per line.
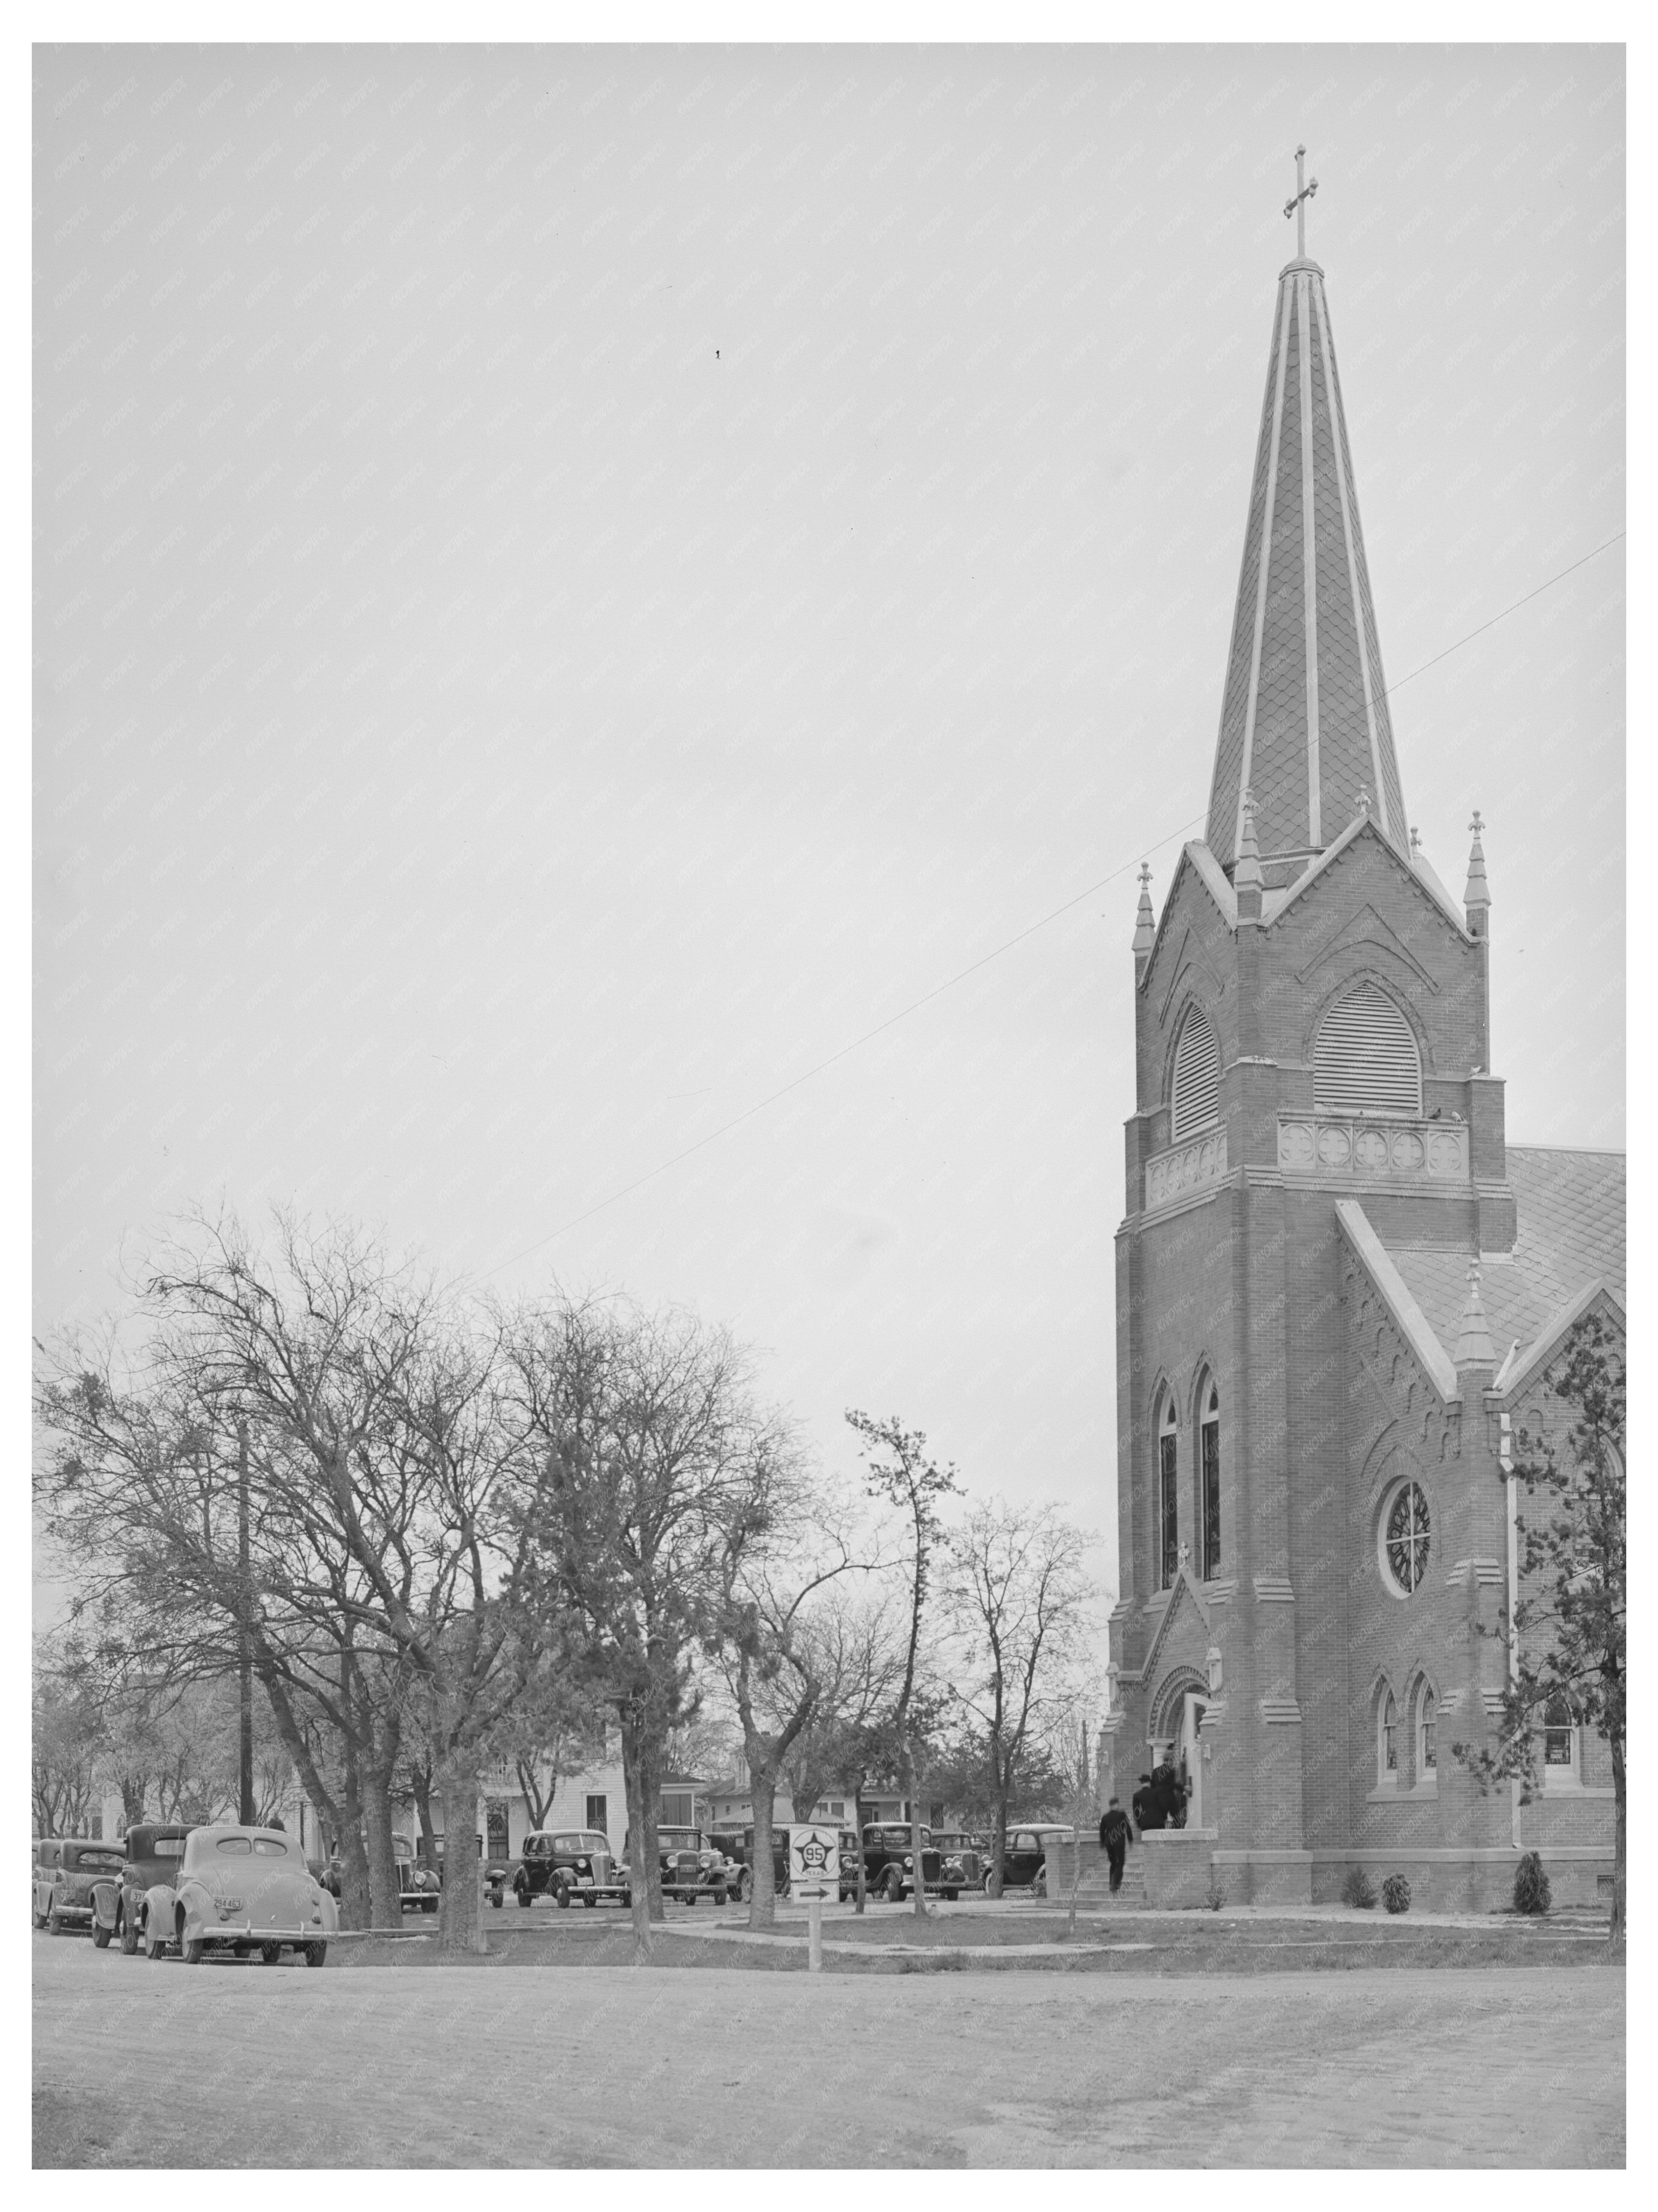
(1365, 1060)
(1197, 1076)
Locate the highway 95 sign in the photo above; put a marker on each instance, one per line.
(814, 1862)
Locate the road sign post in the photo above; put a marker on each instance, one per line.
(814, 1865)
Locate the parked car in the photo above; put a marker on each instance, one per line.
(691, 1866)
(240, 1890)
(566, 1862)
(736, 1846)
(889, 1864)
(419, 1888)
(971, 1853)
(65, 1868)
(151, 1854)
(848, 1865)
(1024, 1863)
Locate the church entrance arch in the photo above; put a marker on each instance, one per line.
(1177, 1710)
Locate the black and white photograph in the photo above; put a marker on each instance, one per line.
(826, 1002)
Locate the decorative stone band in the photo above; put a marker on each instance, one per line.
(1493, 1701)
(1387, 1151)
(1273, 1589)
(1220, 1592)
(1280, 1710)
(1169, 1176)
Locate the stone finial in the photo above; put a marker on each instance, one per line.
(1475, 1347)
(1247, 870)
(1145, 922)
(1476, 896)
(1416, 844)
(1364, 802)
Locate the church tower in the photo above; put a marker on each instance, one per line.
(1311, 1507)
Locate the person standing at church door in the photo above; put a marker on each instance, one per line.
(1115, 1835)
(1145, 1813)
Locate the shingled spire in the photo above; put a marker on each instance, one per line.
(1304, 721)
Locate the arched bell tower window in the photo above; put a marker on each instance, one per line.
(1168, 1501)
(1209, 1474)
(1196, 1099)
(1364, 1059)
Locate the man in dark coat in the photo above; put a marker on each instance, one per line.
(1146, 1814)
(1114, 1834)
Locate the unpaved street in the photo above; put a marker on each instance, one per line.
(166, 2065)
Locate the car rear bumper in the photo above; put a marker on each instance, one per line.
(232, 1931)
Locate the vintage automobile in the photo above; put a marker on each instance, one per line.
(419, 1887)
(971, 1853)
(240, 1890)
(692, 1866)
(848, 1865)
(1024, 1864)
(889, 1864)
(567, 1862)
(65, 1869)
(736, 1847)
(151, 1854)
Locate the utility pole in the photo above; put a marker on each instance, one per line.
(244, 1639)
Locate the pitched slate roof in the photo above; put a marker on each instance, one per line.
(1304, 721)
(1572, 1232)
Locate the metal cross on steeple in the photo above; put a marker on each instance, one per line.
(1297, 206)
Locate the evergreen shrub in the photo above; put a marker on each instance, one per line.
(1531, 1885)
(1396, 1893)
(1358, 1890)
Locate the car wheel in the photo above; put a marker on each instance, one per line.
(588, 1898)
(1039, 1884)
(692, 1898)
(315, 1954)
(720, 1894)
(54, 1919)
(270, 1955)
(561, 1896)
(895, 1888)
(154, 1944)
(990, 1884)
(950, 1896)
(523, 1897)
(128, 1937)
(100, 1936)
(36, 1917)
(744, 1887)
(192, 1953)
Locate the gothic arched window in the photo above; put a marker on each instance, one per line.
(1387, 1742)
(1427, 1755)
(1559, 1748)
(1196, 1099)
(1167, 1497)
(1209, 1475)
(1365, 1059)
(1405, 1536)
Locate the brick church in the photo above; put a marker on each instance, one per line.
(1338, 1286)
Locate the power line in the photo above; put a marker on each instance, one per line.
(984, 961)
(1506, 612)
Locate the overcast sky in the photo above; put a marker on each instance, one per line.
(570, 585)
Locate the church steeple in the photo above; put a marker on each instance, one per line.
(1304, 721)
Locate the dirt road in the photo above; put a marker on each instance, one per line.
(141, 2064)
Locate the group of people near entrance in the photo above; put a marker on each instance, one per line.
(1159, 1802)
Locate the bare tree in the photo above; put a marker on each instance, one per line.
(643, 1455)
(1019, 1601)
(778, 1645)
(900, 1471)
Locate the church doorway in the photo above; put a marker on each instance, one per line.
(1188, 1755)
